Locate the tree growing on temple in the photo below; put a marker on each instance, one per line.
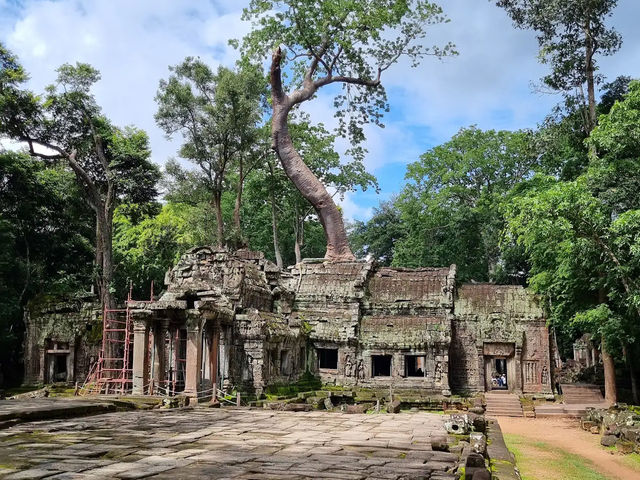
(66, 125)
(315, 44)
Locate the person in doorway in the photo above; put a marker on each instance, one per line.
(503, 380)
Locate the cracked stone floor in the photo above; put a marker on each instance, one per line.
(224, 443)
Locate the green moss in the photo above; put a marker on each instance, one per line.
(307, 383)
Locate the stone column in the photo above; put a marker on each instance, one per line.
(159, 353)
(194, 355)
(482, 368)
(140, 355)
(517, 384)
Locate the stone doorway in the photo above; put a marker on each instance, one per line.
(499, 366)
(499, 377)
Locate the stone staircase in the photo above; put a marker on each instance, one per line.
(503, 404)
(581, 393)
(577, 398)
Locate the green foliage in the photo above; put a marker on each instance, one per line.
(377, 237)
(338, 40)
(561, 28)
(46, 236)
(146, 249)
(451, 208)
(307, 383)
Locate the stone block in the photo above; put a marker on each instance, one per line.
(328, 404)
(481, 474)
(631, 434)
(439, 443)
(458, 424)
(394, 407)
(595, 429)
(608, 440)
(478, 442)
(480, 424)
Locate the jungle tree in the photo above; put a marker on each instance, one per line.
(334, 42)
(218, 115)
(66, 125)
(570, 35)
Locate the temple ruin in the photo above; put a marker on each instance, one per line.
(233, 320)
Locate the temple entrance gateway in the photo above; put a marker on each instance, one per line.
(499, 366)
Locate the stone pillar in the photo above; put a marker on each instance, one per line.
(71, 362)
(517, 370)
(159, 354)
(213, 356)
(482, 368)
(194, 356)
(140, 356)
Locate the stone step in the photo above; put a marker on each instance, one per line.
(503, 405)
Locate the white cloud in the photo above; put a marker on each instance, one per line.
(133, 42)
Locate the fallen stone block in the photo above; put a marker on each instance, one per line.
(394, 407)
(478, 442)
(457, 423)
(608, 440)
(439, 444)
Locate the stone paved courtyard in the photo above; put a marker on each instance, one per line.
(206, 443)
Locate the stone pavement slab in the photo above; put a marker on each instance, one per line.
(226, 443)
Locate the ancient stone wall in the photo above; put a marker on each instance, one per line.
(499, 321)
(62, 339)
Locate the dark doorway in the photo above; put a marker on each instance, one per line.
(60, 367)
(328, 358)
(415, 365)
(499, 374)
(380, 365)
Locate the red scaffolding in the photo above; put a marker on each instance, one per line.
(113, 372)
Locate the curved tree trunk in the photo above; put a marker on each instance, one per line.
(303, 178)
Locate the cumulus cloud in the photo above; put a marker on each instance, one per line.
(133, 42)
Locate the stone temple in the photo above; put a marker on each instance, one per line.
(234, 320)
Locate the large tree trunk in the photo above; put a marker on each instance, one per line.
(274, 225)
(610, 391)
(217, 208)
(298, 235)
(98, 265)
(236, 208)
(303, 178)
(104, 251)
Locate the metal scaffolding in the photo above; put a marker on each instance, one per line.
(112, 373)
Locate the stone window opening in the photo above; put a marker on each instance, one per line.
(285, 363)
(415, 365)
(380, 365)
(328, 358)
(302, 358)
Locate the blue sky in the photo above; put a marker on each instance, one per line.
(132, 42)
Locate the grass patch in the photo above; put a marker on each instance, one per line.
(632, 460)
(541, 461)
